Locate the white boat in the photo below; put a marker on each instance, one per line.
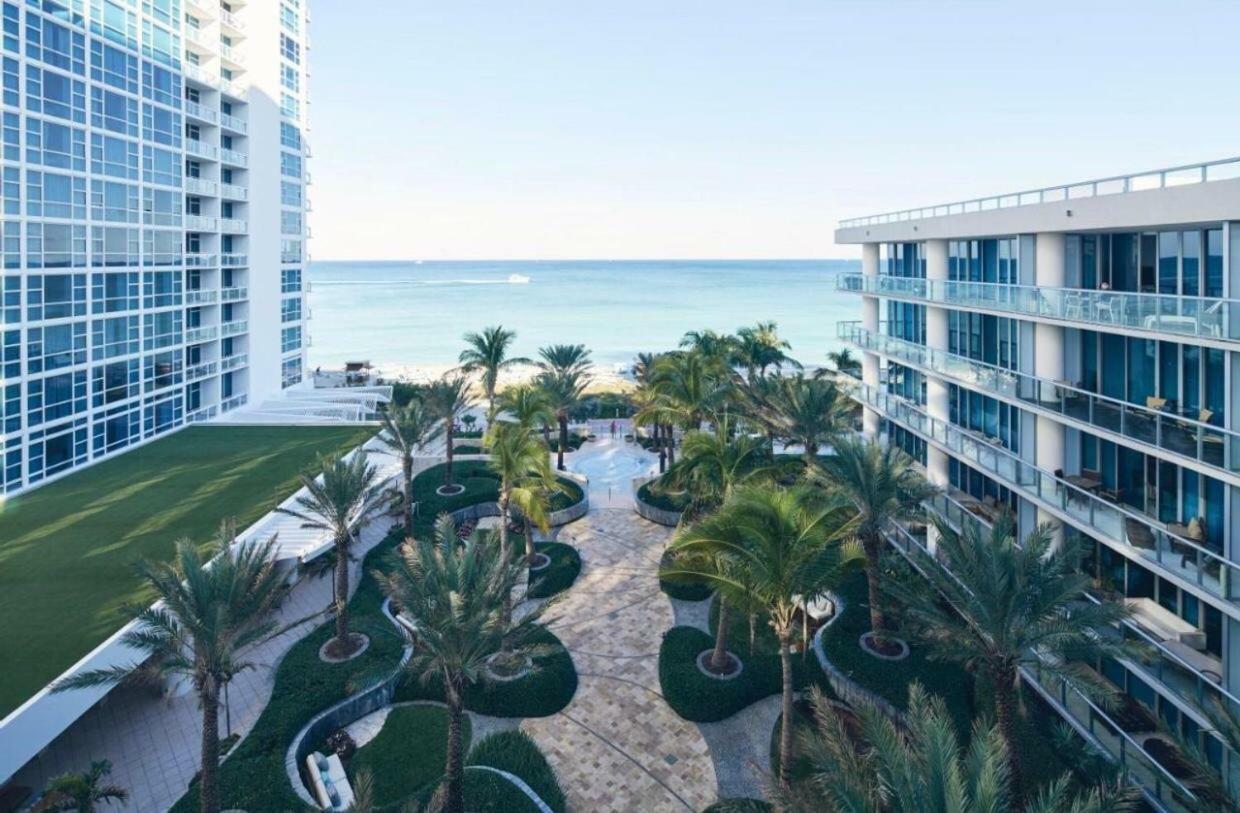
(518, 279)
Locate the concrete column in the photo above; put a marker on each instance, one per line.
(937, 474)
(869, 320)
(937, 401)
(1048, 362)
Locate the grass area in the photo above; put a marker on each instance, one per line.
(68, 549)
(407, 754)
(560, 574)
(481, 485)
(516, 752)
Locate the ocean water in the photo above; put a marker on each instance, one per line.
(413, 314)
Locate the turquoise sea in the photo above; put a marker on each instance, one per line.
(412, 314)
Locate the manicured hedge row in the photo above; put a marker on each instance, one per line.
(557, 576)
(516, 752)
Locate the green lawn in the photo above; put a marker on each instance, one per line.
(67, 550)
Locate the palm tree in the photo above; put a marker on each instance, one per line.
(339, 502)
(487, 353)
(882, 485)
(1007, 606)
(82, 791)
(712, 464)
(689, 387)
(759, 347)
(564, 391)
(406, 431)
(454, 593)
(845, 362)
(449, 399)
(789, 544)
(808, 411)
(714, 347)
(883, 767)
(564, 358)
(529, 406)
(208, 614)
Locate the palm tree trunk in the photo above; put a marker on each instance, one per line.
(719, 658)
(753, 631)
(1006, 716)
(505, 555)
(878, 621)
(547, 434)
(804, 629)
(529, 542)
(407, 473)
(342, 589)
(447, 474)
(208, 780)
(811, 454)
(559, 463)
(454, 772)
(670, 439)
(785, 735)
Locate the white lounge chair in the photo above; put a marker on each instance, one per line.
(329, 782)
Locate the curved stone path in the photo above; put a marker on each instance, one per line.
(618, 746)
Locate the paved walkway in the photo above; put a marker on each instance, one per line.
(618, 746)
(153, 743)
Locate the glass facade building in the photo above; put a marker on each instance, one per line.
(152, 159)
(1070, 356)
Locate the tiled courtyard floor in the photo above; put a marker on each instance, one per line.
(618, 746)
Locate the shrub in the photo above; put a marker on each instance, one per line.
(557, 576)
(481, 486)
(408, 753)
(664, 499)
(516, 752)
(468, 448)
(486, 792)
(683, 589)
(342, 745)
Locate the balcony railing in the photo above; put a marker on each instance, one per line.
(232, 54)
(201, 297)
(1221, 170)
(234, 362)
(201, 186)
(196, 111)
(233, 87)
(1200, 317)
(234, 192)
(232, 403)
(197, 371)
(200, 223)
(201, 149)
(233, 225)
(199, 260)
(234, 123)
(201, 75)
(234, 260)
(234, 157)
(197, 335)
(1126, 529)
(234, 328)
(231, 20)
(1185, 435)
(234, 294)
(201, 415)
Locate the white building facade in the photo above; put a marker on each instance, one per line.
(154, 221)
(1072, 355)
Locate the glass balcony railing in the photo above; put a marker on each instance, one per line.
(200, 149)
(200, 223)
(234, 362)
(234, 123)
(233, 157)
(200, 186)
(234, 293)
(197, 371)
(200, 297)
(1200, 317)
(1183, 435)
(195, 335)
(196, 260)
(234, 192)
(233, 225)
(233, 402)
(234, 328)
(1168, 554)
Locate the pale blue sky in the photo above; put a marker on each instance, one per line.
(459, 130)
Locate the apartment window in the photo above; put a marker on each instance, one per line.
(290, 310)
(11, 241)
(289, 19)
(113, 111)
(115, 336)
(12, 82)
(113, 201)
(10, 411)
(53, 195)
(55, 347)
(51, 245)
(12, 25)
(161, 85)
(290, 194)
(290, 165)
(55, 95)
(161, 166)
(160, 44)
(113, 246)
(290, 372)
(10, 136)
(161, 329)
(161, 126)
(290, 281)
(114, 291)
(161, 370)
(161, 207)
(115, 157)
(290, 222)
(162, 247)
(290, 49)
(289, 106)
(290, 339)
(290, 251)
(113, 382)
(290, 135)
(114, 22)
(163, 414)
(55, 397)
(165, 11)
(11, 190)
(55, 44)
(10, 355)
(290, 78)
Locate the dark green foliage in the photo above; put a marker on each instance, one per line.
(481, 485)
(542, 693)
(408, 753)
(663, 499)
(516, 752)
(486, 792)
(683, 589)
(468, 448)
(739, 806)
(557, 576)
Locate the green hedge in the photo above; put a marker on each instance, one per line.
(681, 589)
(575, 442)
(702, 699)
(486, 792)
(543, 692)
(516, 752)
(663, 499)
(408, 753)
(557, 576)
(468, 448)
(481, 485)
(739, 805)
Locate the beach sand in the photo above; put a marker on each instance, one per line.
(602, 378)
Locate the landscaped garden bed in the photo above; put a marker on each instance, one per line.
(481, 486)
(559, 574)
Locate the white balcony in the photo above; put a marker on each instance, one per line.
(234, 157)
(196, 260)
(200, 149)
(233, 402)
(234, 294)
(234, 362)
(199, 186)
(234, 87)
(200, 75)
(201, 297)
(198, 112)
(234, 328)
(200, 223)
(233, 225)
(230, 20)
(197, 335)
(234, 192)
(233, 123)
(234, 260)
(207, 368)
(232, 54)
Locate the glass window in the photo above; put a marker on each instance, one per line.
(1214, 263)
(1168, 262)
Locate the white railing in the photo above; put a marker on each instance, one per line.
(234, 192)
(233, 157)
(234, 260)
(234, 362)
(234, 294)
(201, 297)
(233, 88)
(234, 328)
(230, 224)
(201, 415)
(201, 149)
(234, 123)
(200, 223)
(199, 74)
(232, 54)
(231, 20)
(201, 186)
(233, 402)
(194, 35)
(197, 111)
(1221, 170)
(199, 260)
(200, 371)
(196, 335)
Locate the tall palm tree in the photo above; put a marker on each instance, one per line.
(83, 791)
(339, 502)
(449, 399)
(564, 359)
(880, 482)
(208, 614)
(1010, 605)
(713, 347)
(564, 391)
(407, 430)
(712, 464)
(690, 387)
(454, 593)
(529, 406)
(808, 411)
(920, 766)
(759, 347)
(643, 367)
(790, 545)
(487, 353)
(845, 362)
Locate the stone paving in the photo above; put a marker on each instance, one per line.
(618, 746)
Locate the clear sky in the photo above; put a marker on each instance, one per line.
(635, 129)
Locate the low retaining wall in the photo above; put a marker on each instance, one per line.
(557, 518)
(518, 781)
(849, 690)
(659, 516)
